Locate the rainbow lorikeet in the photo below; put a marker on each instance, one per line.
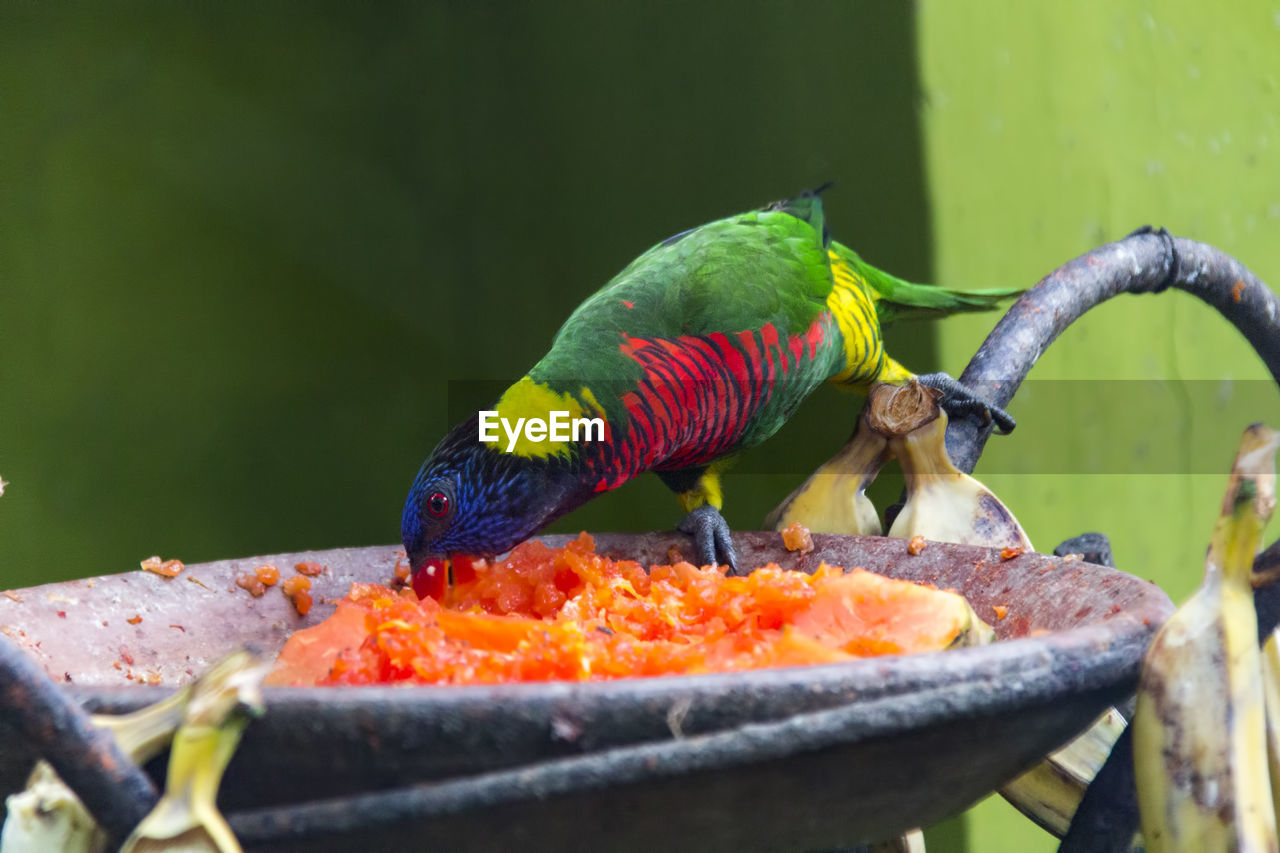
(701, 347)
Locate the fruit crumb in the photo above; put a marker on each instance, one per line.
(297, 588)
(1072, 558)
(309, 568)
(268, 574)
(916, 546)
(796, 537)
(12, 596)
(295, 584)
(1001, 610)
(126, 656)
(302, 602)
(1010, 553)
(1237, 290)
(249, 581)
(401, 571)
(134, 620)
(164, 568)
(62, 614)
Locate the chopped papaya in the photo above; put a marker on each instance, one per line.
(569, 614)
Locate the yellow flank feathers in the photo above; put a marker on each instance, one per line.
(707, 490)
(529, 400)
(855, 315)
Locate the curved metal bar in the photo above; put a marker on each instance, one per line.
(1140, 263)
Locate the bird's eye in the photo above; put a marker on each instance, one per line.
(437, 504)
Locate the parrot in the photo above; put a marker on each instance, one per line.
(702, 347)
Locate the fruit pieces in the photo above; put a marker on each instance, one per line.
(249, 581)
(301, 602)
(570, 614)
(298, 589)
(796, 537)
(164, 568)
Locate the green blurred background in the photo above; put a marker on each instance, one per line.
(252, 255)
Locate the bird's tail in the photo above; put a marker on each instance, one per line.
(896, 299)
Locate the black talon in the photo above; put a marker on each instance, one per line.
(712, 542)
(958, 400)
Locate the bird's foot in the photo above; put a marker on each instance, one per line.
(958, 400)
(712, 542)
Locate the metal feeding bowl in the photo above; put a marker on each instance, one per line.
(796, 758)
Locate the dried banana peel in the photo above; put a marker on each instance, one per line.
(187, 816)
(1200, 737)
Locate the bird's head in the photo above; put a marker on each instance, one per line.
(473, 499)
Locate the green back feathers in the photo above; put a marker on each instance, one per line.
(738, 273)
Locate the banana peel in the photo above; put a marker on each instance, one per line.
(1050, 792)
(187, 816)
(943, 503)
(1200, 727)
(834, 498)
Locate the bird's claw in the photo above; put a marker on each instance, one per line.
(712, 542)
(958, 400)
